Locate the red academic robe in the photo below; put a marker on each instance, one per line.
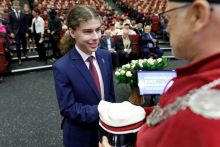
(185, 128)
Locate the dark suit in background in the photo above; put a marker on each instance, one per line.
(104, 45)
(139, 31)
(137, 15)
(19, 28)
(54, 24)
(123, 57)
(149, 21)
(145, 50)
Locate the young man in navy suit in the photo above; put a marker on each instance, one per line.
(83, 77)
(18, 28)
(149, 43)
(108, 43)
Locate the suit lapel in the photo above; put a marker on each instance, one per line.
(83, 69)
(106, 41)
(103, 69)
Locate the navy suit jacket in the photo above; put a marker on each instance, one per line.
(78, 96)
(145, 40)
(104, 44)
(149, 21)
(137, 14)
(14, 24)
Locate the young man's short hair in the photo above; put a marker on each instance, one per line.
(16, 2)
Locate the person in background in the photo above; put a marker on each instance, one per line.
(127, 27)
(124, 48)
(191, 104)
(108, 43)
(2, 21)
(133, 23)
(102, 30)
(83, 77)
(37, 29)
(63, 24)
(114, 31)
(120, 25)
(149, 20)
(149, 43)
(30, 34)
(18, 28)
(164, 24)
(53, 29)
(104, 20)
(8, 54)
(139, 30)
(114, 20)
(137, 13)
(126, 20)
(45, 15)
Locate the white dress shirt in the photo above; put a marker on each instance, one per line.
(109, 42)
(17, 13)
(96, 64)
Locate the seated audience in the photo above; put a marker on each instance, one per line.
(120, 25)
(164, 24)
(104, 20)
(137, 13)
(102, 30)
(126, 20)
(114, 31)
(63, 24)
(149, 43)
(133, 23)
(130, 32)
(2, 21)
(45, 15)
(114, 20)
(108, 43)
(149, 20)
(139, 30)
(124, 48)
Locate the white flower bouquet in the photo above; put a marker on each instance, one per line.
(128, 73)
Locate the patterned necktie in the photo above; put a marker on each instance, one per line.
(126, 42)
(94, 73)
(17, 15)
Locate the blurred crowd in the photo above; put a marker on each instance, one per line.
(140, 18)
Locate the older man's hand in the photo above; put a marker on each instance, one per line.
(104, 142)
(154, 41)
(112, 50)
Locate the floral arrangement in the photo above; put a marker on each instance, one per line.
(128, 73)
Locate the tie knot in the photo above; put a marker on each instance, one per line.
(90, 59)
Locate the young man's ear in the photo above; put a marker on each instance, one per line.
(72, 32)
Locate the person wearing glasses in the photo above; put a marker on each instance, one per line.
(187, 114)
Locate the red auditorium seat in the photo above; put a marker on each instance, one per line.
(3, 62)
(156, 24)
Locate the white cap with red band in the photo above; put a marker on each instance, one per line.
(120, 118)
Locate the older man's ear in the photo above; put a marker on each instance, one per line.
(199, 15)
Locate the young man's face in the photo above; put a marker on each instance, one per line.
(87, 36)
(16, 7)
